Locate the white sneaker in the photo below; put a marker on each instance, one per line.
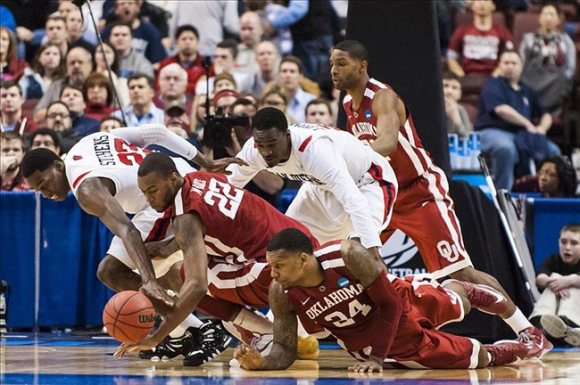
(557, 328)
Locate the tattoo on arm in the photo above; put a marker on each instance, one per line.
(365, 267)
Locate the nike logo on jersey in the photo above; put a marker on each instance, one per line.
(304, 302)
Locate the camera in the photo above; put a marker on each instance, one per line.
(218, 128)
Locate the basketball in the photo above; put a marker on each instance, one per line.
(129, 316)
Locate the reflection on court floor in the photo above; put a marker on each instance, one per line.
(49, 359)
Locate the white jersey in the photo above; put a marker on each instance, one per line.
(331, 160)
(109, 156)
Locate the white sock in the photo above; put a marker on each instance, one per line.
(301, 331)
(253, 322)
(518, 321)
(189, 321)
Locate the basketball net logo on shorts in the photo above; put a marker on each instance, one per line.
(399, 250)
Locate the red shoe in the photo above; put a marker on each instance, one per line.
(485, 298)
(536, 342)
(506, 352)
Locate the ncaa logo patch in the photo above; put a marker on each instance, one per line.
(368, 114)
(343, 282)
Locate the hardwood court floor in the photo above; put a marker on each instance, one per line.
(58, 360)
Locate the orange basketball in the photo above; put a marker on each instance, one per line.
(129, 316)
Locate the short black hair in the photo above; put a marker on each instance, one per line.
(572, 227)
(9, 84)
(291, 239)
(354, 48)
(46, 131)
(292, 59)
(566, 174)
(121, 24)
(268, 118)
(230, 44)
(186, 28)
(141, 75)
(159, 163)
(38, 159)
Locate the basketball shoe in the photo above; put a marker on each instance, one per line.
(536, 342)
(171, 348)
(506, 352)
(484, 298)
(213, 340)
(557, 328)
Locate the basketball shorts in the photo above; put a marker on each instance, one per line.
(320, 211)
(418, 343)
(152, 228)
(424, 211)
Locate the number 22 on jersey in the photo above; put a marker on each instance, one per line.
(227, 197)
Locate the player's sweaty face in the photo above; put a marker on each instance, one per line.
(273, 145)
(344, 70)
(286, 269)
(156, 191)
(51, 183)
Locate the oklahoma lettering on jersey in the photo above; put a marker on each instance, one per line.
(238, 224)
(410, 160)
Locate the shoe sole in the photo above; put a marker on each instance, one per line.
(557, 328)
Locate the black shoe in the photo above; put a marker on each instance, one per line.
(171, 348)
(213, 340)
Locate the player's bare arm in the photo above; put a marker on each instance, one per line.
(390, 113)
(373, 277)
(161, 249)
(284, 348)
(96, 197)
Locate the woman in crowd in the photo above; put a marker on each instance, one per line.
(47, 66)
(273, 96)
(11, 68)
(98, 92)
(106, 52)
(557, 178)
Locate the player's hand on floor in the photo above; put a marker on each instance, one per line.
(366, 367)
(219, 165)
(157, 295)
(248, 357)
(135, 347)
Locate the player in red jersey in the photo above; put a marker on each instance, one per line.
(378, 318)
(378, 116)
(223, 232)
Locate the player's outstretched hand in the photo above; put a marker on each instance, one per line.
(366, 367)
(134, 347)
(248, 357)
(157, 294)
(219, 165)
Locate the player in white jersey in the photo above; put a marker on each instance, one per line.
(101, 171)
(349, 189)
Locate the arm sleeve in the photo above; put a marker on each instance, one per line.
(455, 45)
(155, 133)
(295, 11)
(384, 295)
(155, 51)
(328, 166)
(570, 57)
(240, 175)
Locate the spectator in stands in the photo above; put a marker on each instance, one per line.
(457, 117)
(146, 38)
(173, 87)
(557, 310)
(11, 68)
(289, 78)
(58, 118)
(74, 98)
(267, 58)
(506, 113)
(98, 93)
(549, 59)
(177, 121)
(74, 29)
(47, 66)
(131, 61)
(225, 61)
(223, 100)
(319, 111)
(79, 65)
(142, 110)
(187, 56)
(106, 52)
(110, 123)
(198, 112)
(250, 35)
(12, 118)
(213, 18)
(56, 33)
(474, 49)
(45, 138)
(224, 81)
(557, 178)
(274, 96)
(12, 151)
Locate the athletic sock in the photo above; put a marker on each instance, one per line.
(518, 321)
(189, 321)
